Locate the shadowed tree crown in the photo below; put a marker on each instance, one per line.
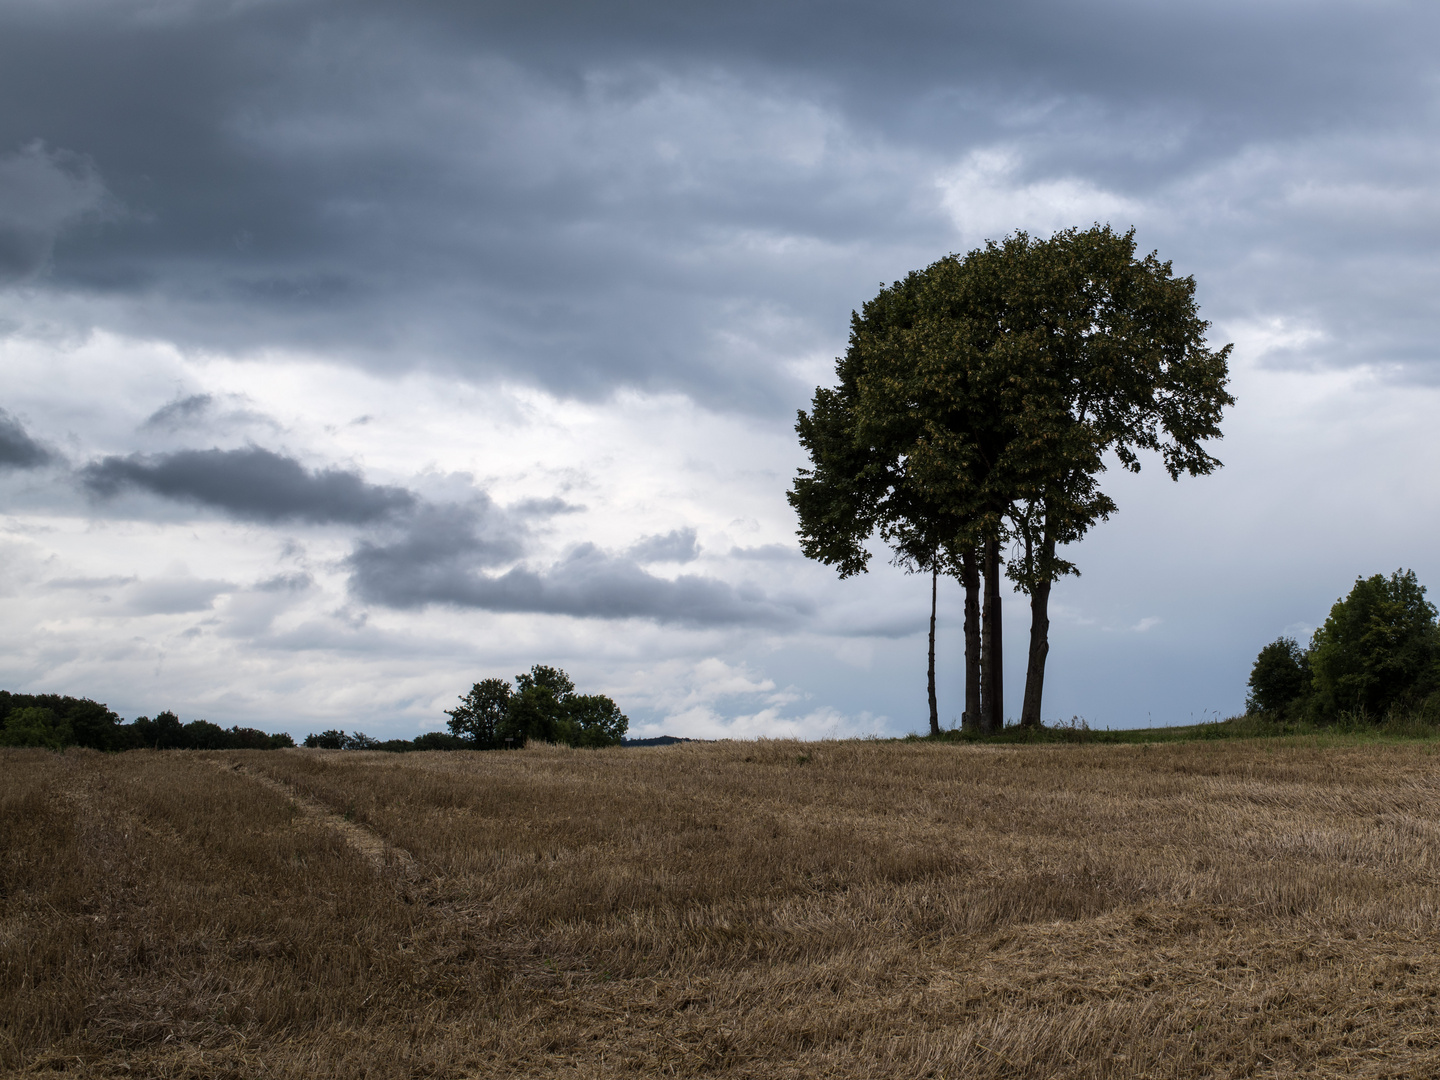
(543, 706)
(1280, 675)
(1379, 647)
(979, 399)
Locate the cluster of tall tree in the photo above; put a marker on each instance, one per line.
(976, 408)
(1378, 651)
(542, 706)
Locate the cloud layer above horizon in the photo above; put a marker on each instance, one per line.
(349, 353)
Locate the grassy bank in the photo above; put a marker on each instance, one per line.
(1348, 730)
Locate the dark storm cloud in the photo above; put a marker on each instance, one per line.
(252, 484)
(674, 196)
(678, 545)
(42, 192)
(448, 535)
(442, 562)
(18, 450)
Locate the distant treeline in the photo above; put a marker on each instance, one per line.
(57, 721)
(545, 708)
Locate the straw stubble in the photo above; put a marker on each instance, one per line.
(746, 909)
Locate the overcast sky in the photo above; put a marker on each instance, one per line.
(353, 352)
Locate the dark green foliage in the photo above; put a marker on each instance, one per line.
(545, 678)
(88, 723)
(166, 732)
(538, 708)
(1280, 677)
(33, 726)
(57, 721)
(1379, 648)
(534, 713)
(203, 735)
(977, 404)
(438, 740)
(543, 706)
(91, 723)
(480, 713)
(594, 720)
(341, 740)
(247, 738)
(1377, 654)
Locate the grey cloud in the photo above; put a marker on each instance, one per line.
(250, 612)
(437, 536)
(285, 583)
(18, 449)
(445, 567)
(543, 508)
(206, 412)
(337, 634)
(765, 553)
(677, 546)
(175, 596)
(42, 191)
(88, 582)
(514, 190)
(896, 627)
(176, 414)
(252, 484)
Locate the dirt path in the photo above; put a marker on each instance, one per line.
(372, 847)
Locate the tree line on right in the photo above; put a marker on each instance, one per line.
(977, 406)
(1376, 657)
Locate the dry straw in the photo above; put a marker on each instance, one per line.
(737, 909)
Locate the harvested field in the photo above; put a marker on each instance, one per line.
(772, 909)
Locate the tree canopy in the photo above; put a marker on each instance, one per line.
(977, 404)
(542, 706)
(56, 721)
(481, 712)
(1377, 651)
(1378, 647)
(1280, 675)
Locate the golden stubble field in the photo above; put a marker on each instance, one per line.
(855, 909)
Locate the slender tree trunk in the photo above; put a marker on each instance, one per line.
(934, 706)
(992, 661)
(1039, 649)
(970, 578)
(1039, 642)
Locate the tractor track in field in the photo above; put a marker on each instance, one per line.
(365, 842)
